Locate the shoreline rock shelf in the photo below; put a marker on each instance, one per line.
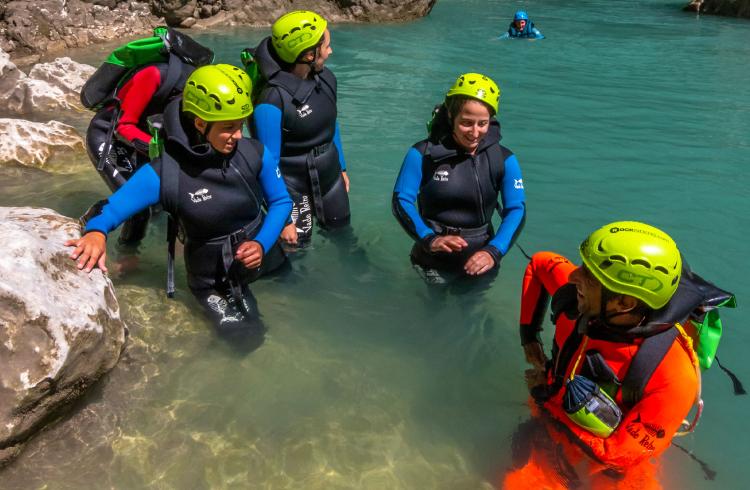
(51, 26)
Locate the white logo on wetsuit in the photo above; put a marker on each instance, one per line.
(278, 173)
(304, 111)
(219, 305)
(200, 195)
(518, 183)
(441, 176)
(304, 216)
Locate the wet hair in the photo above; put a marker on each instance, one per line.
(457, 102)
(187, 119)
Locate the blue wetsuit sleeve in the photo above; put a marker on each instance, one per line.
(514, 207)
(267, 126)
(405, 197)
(504, 35)
(339, 148)
(537, 34)
(277, 198)
(138, 193)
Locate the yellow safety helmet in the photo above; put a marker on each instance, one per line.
(479, 87)
(218, 93)
(295, 32)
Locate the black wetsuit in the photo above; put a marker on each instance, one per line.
(297, 119)
(218, 201)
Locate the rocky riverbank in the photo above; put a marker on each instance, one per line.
(31, 30)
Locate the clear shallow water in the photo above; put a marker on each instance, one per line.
(367, 379)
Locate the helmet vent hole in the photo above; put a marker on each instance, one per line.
(618, 258)
(641, 262)
(218, 100)
(661, 269)
(294, 30)
(231, 102)
(605, 264)
(674, 281)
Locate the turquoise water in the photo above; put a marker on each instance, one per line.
(368, 379)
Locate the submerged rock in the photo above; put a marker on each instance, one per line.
(60, 328)
(35, 144)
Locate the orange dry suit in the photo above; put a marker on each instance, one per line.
(652, 412)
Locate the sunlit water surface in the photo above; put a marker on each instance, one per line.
(369, 379)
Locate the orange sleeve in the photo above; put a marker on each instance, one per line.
(546, 272)
(647, 429)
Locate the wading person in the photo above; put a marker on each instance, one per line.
(522, 28)
(451, 183)
(624, 371)
(215, 183)
(296, 119)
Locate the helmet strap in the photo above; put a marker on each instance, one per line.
(605, 318)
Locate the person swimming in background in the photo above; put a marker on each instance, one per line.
(449, 185)
(522, 28)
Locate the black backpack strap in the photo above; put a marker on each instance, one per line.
(170, 188)
(174, 71)
(642, 367)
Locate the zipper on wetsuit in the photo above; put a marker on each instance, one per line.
(479, 189)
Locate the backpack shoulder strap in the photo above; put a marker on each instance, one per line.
(174, 70)
(642, 367)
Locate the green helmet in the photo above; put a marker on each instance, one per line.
(218, 93)
(636, 259)
(479, 87)
(295, 32)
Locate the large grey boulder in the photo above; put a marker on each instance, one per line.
(51, 146)
(60, 328)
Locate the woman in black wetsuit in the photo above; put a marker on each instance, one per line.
(451, 183)
(216, 184)
(296, 118)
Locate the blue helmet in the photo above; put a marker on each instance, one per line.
(521, 15)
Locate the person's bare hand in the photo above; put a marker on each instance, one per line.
(289, 234)
(479, 263)
(250, 253)
(535, 356)
(90, 251)
(448, 243)
(346, 180)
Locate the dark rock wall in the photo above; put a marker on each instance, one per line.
(29, 28)
(733, 8)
